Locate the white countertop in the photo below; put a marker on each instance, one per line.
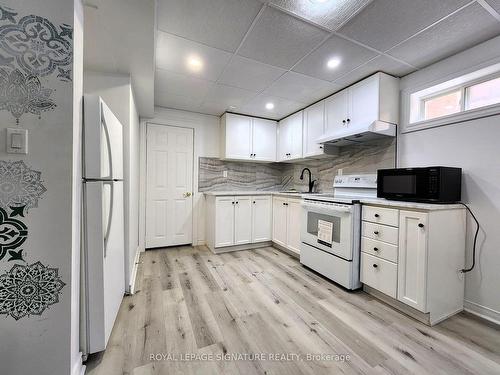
(253, 192)
(415, 205)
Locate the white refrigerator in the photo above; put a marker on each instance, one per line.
(103, 261)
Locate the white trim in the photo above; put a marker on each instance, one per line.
(133, 278)
(482, 311)
(78, 367)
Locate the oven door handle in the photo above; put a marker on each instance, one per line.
(325, 208)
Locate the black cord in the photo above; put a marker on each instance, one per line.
(465, 270)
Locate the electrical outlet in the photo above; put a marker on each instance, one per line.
(224, 174)
(340, 171)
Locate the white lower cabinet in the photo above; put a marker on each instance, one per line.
(238, 220)
(242, 220)
(412, 266)
(287, 216)
(415, 256)
(224, 217)
(261, 218)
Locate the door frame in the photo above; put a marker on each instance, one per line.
(143, 178)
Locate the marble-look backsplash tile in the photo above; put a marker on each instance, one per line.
(363, 158)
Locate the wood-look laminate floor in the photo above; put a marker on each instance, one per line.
(192, 302)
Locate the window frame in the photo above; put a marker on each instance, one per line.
(481, 75)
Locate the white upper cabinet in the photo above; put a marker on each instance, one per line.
(336, 111)
(247, 138)
(364, 103)
(264, 140)
(374, 98)
(290, 137)
(314, 128)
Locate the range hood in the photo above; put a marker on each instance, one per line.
(375, 130)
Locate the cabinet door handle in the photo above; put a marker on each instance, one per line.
(232, 202)
(375, 248)
(343, 121)
(253, 202)
(375, 232)
(320, 146)
(375, 265)
(236, 202)
(348, 120)
(420, 225)
(377, 215)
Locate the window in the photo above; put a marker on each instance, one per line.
(442, 105)
(463, 98)
(483, 94)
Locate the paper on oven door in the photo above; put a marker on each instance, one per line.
(325, 232)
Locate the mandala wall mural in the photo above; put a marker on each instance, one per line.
(28, 290)
(20, 186)
(31, 48)
(13, 234)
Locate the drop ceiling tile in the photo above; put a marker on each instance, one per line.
(226, 96)
(380, 63)
(495, 4)
(169, 100)
(385, 23)
(331, 14)
(217, 23)
(181, 85)
(249, 74)
(173, 52)
(463, 30)
(280, 39)
(350, 54)
(282, 107)
(301, 88)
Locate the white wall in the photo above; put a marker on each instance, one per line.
(473, 146)
(206, 144)
(116, 91)
(47, 344)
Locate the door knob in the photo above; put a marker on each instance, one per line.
(186, 195)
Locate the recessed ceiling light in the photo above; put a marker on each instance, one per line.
(269, 106)
(194, 63)
(333, 63)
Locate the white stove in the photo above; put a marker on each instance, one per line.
(331, 229)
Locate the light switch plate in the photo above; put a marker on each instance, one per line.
(17, 141)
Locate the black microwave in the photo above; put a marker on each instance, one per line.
(428, 184)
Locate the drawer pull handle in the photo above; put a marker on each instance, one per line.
(375, 266)
(420, 225)
(375, 232)
(375, 249)
(377, 215)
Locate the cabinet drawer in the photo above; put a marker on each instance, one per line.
(380, 232)
(380, 215)
(379, 274)
(379, 249)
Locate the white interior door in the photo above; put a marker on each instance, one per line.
(169, 190)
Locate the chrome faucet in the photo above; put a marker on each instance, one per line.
(311, 182)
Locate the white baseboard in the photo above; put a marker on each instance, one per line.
(134, 270)
(201, 243)
(482, 311)
(78, 367)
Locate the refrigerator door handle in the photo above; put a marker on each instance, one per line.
(110, 215)
(108, 143)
